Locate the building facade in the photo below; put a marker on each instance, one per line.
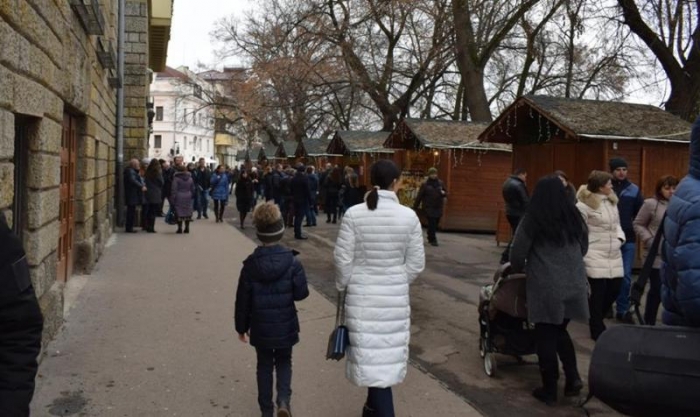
(184, 118)
(58, 106)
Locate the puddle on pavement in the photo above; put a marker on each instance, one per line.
(70, 403)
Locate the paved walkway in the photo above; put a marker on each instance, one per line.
(151, 334)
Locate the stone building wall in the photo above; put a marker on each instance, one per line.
(136, 80)
(48, 67)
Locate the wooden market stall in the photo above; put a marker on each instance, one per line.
(358, 149)
(313, 152)
(286, 152)
(473, 172)
(578, 136)
(267, 154)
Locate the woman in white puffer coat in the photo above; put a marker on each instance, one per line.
(597, 203)
(379, 252)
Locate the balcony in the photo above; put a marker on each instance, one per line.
(161, 16)
(105, 54)
(90, 15)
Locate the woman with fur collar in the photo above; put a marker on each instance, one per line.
(597, 203)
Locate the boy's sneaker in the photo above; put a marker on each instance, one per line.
(284, 411)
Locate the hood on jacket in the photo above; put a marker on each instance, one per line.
(695, 150)
(185, 174)
(593, 200)
(270, 263)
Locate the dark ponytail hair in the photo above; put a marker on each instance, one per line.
(382, 175)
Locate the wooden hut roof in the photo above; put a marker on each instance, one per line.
(313, 147)
(269, 150)
(251, 153)
(287, 149)
(596, 119)
(349, 141)
(444, 134)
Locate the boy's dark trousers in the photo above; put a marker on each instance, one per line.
(279, 360)
(380, 403)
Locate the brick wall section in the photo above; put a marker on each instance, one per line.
(48, 65)
(136, 80)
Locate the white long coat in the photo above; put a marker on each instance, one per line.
(377, 255)
(605, 235)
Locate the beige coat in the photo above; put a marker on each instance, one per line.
(647, 223)
(605, 235)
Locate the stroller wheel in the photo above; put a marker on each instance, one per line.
(490, 364)
(482, 347)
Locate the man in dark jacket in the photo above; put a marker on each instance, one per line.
(168, 173)
(134, 188)
(630, 201)
(301, 196)
(21, 325)
(516, 197)
(432, 196)
(681, 252)
(271, 281)
(202, 178)
(314, 189)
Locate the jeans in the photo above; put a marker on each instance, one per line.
(203, 203)
(432, 229)
(280, 361)
(381, 402)
(130, 217)
(553, 340)
(623, 299)
(311, 216)
(651, 309)
(604, 291)
(299, 211)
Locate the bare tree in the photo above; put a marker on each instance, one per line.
(670, 30)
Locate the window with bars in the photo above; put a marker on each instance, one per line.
(159, 113)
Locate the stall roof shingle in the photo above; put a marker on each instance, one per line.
(316, 147)
(363, 140)
(451, 134)
(609, 119)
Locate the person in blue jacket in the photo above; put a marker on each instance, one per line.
(680, 276)
(272, 280)
(219, 182)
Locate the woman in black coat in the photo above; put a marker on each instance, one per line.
(154, 193)
(332, 185)
(244, 196)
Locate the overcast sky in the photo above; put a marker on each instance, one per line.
(192, 21)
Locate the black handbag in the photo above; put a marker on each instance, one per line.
(338, 341)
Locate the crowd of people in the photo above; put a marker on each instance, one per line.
(578, 250)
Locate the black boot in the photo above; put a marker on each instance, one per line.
(187, 227)
(179, 227)
(573, 387)
(367, 412)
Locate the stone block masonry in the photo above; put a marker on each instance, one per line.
(136, 80)
(49, 68)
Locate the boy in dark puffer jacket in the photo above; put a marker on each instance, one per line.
(271, 280)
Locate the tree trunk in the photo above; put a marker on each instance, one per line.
(475, 95)
(458, 101)
(684, 99)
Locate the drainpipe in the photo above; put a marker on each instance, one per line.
(120, 116)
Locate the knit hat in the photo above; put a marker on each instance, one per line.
(432, 171)
(268, 223)
(616, 163)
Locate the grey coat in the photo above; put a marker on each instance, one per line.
(556, 276)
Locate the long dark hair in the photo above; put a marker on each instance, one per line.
(553, 214)
(382, 174)
(154, 169)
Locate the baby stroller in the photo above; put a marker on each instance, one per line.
(503, 320)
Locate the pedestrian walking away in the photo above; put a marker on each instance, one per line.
(21, 325)
(202, 179)
(168, 173)
(630, 201)
(181, 196)
(378, 254)
(134, 187)
(516, 198)
(597, 203)
(219, 182)
(681, 274)
(272, 280)
(244, 196)
(312, 211)
(332, 185)
(431, 197)
(549, 246)
(301, 196)
(646, 226)
(154, 194)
